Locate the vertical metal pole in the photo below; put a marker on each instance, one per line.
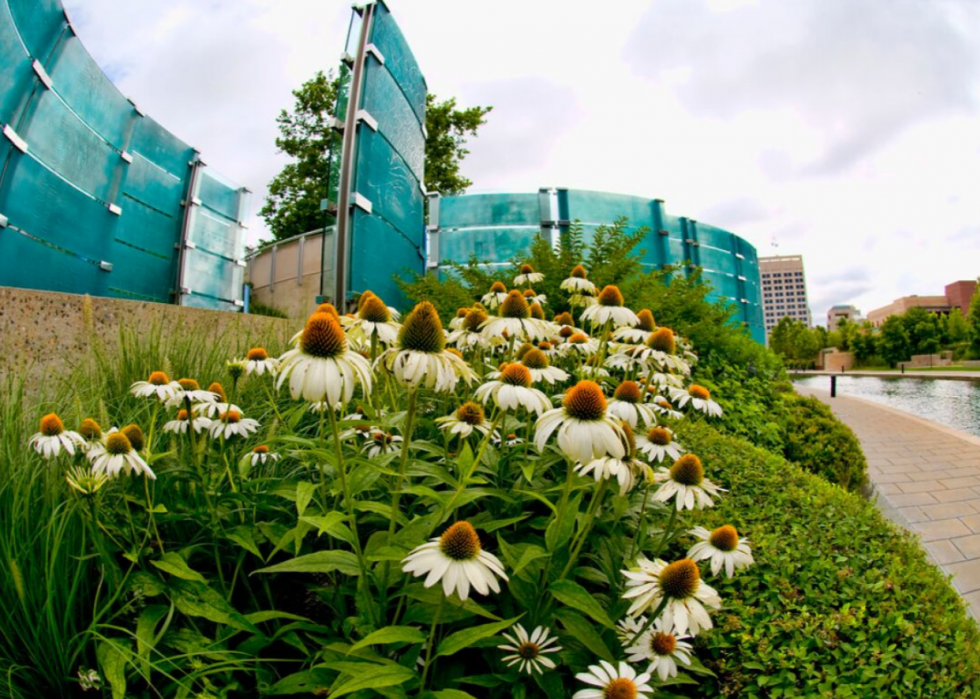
(193, 185)
(342, 236)
(833, 385)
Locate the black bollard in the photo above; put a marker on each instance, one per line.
(903, 368)
(833, 385)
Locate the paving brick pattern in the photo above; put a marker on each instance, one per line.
(927, 479)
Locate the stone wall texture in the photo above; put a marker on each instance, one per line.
(42, 331)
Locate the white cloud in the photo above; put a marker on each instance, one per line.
(843, 130)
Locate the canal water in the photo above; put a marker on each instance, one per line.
(948, 402)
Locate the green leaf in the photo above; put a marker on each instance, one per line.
(304, 493)
(269, 615)
(584, 632)
(574, 595)
(332, 523)
(172, 563)
(559, 531)
(390, 634)
(319, 562)
(146, 636)
(467, 637)
(464, 462)
(374, 677)
(451, 694)
(198, 600)
(530, 554)
(305, 682)
(245, 537)
(113, 664)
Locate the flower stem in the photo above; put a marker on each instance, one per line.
(667, 532)
(432, 642)
(650, 621)
(403, 462)
(597, 494)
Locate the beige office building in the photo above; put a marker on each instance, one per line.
(933, 304)
(783, 290)
(838, 313)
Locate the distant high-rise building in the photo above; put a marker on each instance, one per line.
(837, 313)
(783, 290)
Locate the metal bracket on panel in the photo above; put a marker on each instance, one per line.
(663, 231)
(3, 221)
(136, 107)
(127, 156)
(114, 209)
(105, 266)
(239, 303)
(741, 278)
(185, 291)
(361, 4)
(68, 19)
(373, 50)
(42, 74)
(362, 202)
(19, 143)
(691, 241)
(666, 265)
(195, 201)
(336, 124)
(425, 132)
(347, 58)
(744, 300)
(564, 222)
(190, 244)
(241, 263)
(365, 116)
(243, 225)
(739, 255)
(691, 265)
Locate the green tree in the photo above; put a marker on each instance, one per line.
(894, 345)
(293, 204)
(973, 322)
(957, 329)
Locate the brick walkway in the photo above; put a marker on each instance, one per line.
(927, 477)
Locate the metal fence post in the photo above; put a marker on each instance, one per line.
(833, 385)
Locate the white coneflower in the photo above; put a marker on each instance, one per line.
(699, 397)
(609, 681)
(321, 367)
(583, 299)
(420, 357)
(660, 349)
(579, 344)
(609, 309)
(663, 648)
(258, 362)
(625, 470)
(662, 406)
(457, 322)
(190, 390)
(548, 348)
(52, 437)
(540, 367)
(262, 455)
(157, 385)
(120, 453)
(218, 406)
(529, 652)
(723, 548)
(639, 334)
(629, 628)
(231, 424)
(379, 443)
(327, 308)
(91, 432)
(585, 431)
(458, 560)
(528, 276)
(627, 359)
(627, 404)
(679, 583)
(467, 418)
(467, 335)
(509, 440)
(513, 390)
(658, 444)
(532, 297)
(181, 423)
(85, 481)
(578, 282)
(686, 484)
(373, 320)
(494, 297)
(515, 317)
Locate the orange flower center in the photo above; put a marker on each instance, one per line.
(516, 375)
(563, 318)
(663, 643)
(515, 306)
(218, 389)
(527, 269)
(701, 392)
(659, 436)
(329, 309)
(628, 392)
(231, 416)
(536, 311)
(724, 538)
(566, 331)
(460, 542)
(182, 415)
(610, 296)
(323, 337)
(117, 443)
(135, 436)
(90, 429)
(158, 378)
(663, 341)
(646, 320)
(544, 346)
(528, 650)
(257, 354)
(578, 339)
(620, 688)
(536, 359)
(373, 310)
(422, 331)
(498, 288)
(687, 470)
(474, 319)
(680, 579)
(578, 272)
(471, 413)
(585, 401)
(261, 449)
(189, 385)
(51, 425)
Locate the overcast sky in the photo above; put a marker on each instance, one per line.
(847, 131)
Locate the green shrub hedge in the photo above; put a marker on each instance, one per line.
(822, 444)
(840, 603)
